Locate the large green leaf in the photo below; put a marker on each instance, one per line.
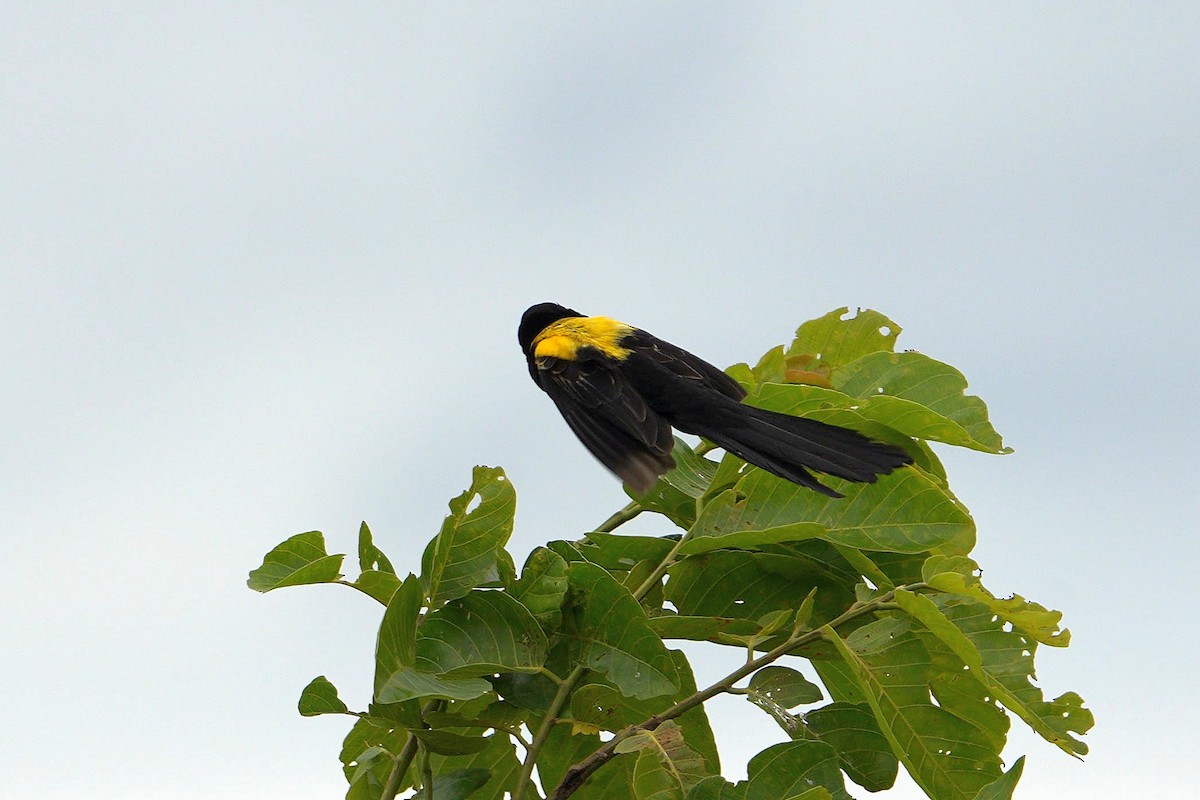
(299, 560)
(997, 659)
(396, 645)
(480, 633)
(610, 634)
(743, 585)
(397, 678)
(863, 752)
(836, 339)
(783, 687)
(543, 586)
(905, 512)
(787, 770)
(918, 378)
(469, 550)
(957, 575)
(947, 757)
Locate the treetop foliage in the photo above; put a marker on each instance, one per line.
(859, 626)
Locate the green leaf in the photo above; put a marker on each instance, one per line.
(480, 633)
(368, 754)
(379, 585)
(936, 386)
(783, 687)
(715, 787)
(457, 785)
(863, 752)
(411, 684)
(448, 743)
(564, 749)
(905, 512)
(543, 587)
(837, 339)
(654, 780)
(600, 706)
(616, 551)
(321, 697)
(666, 767)
(469, 550)
(1003, 787)
(299, 560)
(675, 493)
(1002, 661)
(498, 758)
(957, 575)
(610, 634)
(396, 645)
(789, 769)
(947, 757)
(370, 556)
(738, 584)
(701, 629)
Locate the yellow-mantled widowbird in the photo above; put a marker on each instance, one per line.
(622, 391)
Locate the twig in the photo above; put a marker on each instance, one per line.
(620, 518)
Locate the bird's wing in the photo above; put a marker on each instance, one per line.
(610, 417)
(683, 364)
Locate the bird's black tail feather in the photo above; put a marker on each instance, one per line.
(789, 446)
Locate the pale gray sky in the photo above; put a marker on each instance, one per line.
(262, 268)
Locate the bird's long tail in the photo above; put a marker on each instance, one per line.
(791, 446)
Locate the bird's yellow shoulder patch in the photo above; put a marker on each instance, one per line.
(565, 337)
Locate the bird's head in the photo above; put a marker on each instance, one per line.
(536, 318)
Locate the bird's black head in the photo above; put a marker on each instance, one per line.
(536, 318)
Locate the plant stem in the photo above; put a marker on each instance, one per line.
(427, 778)
(543, 731)
(404, 760)
(620, 518)
(576, 775)
(399, 768)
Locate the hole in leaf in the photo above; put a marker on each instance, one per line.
(476, 499)
(884, 330)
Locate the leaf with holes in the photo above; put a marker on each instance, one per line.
(837, 339)
(958, 575)
(469, 550)
(929, 383)
(947, 756)
(1002, 661)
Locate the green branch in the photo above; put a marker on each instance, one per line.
(620, 518)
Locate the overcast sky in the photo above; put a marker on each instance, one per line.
(262, 269)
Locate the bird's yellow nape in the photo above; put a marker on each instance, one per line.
(564, 338)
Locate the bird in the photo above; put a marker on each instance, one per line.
(623, 392)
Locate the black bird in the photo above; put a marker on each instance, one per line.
(622, 390)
